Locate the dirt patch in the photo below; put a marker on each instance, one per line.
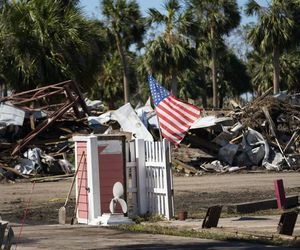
(192, 194)
(45, 214)
(195, 202)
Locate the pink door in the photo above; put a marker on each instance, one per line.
(111, 168)
(82, 195)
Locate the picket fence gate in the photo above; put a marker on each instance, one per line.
(149, 178)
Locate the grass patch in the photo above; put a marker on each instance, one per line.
(156, 229)
(209, 234)
(148, 218)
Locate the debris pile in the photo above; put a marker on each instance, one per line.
(264, 135)
(36, 128)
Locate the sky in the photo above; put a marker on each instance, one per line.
(92, 7)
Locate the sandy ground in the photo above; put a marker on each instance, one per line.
(196, 193)
(43, 200)
(191, 194)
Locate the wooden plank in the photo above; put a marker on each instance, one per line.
(287, 223)
(187, 169)
(212, 217)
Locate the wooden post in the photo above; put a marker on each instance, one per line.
(280, 194)
(169, 203)
(141, 173)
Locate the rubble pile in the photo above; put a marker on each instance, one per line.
(36, 128)
(285, 115)
(264, 135)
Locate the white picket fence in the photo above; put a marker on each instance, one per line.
(149, 178)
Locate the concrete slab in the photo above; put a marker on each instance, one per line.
(266, 224)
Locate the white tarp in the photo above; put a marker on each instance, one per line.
(130, 122)
(10, 115)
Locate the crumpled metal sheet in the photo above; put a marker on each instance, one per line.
(258, 149)
(210, 121)
(11, 115)
(228, 152)
(130, 122)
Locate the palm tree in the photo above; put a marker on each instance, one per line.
(110, 87)
(216, 18)
(272, 32)
(126, 25)
(169, 53)
(233, 73)
(290, 68)
(39, 45)
(260, 70)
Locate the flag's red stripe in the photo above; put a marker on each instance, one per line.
(171, 112)
(181, 111)
(166, 119)
(169, 138)
(170, 134)
(164, 127)
(193, 111)
(191, 108)
(171, 130)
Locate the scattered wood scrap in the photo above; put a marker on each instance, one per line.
(183, 167)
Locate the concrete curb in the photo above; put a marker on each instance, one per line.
(251, 207)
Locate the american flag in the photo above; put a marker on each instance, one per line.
(175, 116)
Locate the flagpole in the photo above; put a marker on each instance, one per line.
(159, 130)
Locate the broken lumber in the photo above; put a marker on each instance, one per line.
(12, 170)
(51, 178)
(186, 168)
(272, 128)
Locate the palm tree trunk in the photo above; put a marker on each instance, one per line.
(213, 67)
(204, 100)
(276, 66)
(204, 89)
(125, 68)
(5, 89)
(174, 84)
(221, 99)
